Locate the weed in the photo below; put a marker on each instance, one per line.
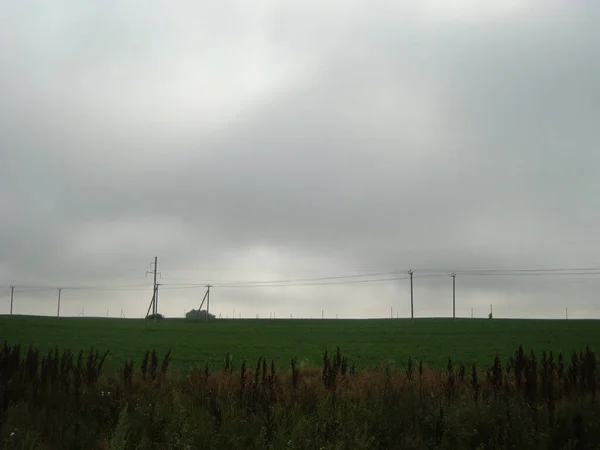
(65, 401)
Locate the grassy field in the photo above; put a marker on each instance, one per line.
(366, 343)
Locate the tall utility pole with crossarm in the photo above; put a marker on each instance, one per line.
(154, 301)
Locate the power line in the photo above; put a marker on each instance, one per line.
(332, 283)
(266, 285)
(293, 280)
(29, 288)
(519, 270)
(437, 275)
(325, 281)
(529, 274)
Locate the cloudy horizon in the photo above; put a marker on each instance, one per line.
(244, 142)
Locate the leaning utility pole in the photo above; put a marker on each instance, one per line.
(412, 311)
(206, 299)
(58, 308)
(12, 295)
(453, 275)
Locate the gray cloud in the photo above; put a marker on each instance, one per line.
(275, 142)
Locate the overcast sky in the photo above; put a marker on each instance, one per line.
(255, 141)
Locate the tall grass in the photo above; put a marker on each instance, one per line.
(62, 401)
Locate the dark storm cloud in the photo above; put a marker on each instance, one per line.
(379, 139)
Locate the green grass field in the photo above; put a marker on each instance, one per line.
(366, 343)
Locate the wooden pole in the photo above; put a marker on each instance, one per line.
(412, 311)
(453, 296)
(207, 301)
(58, 307)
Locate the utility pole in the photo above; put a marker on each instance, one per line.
(154, 301)
(207, 301)
(58, 308)
(155, 290)
(471, 313)
(322, 314)
(12, 295)
(412, 311)
(566, 313)
(453, 275)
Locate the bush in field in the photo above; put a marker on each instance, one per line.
(199, 315)
(61, 400)
(157, 316)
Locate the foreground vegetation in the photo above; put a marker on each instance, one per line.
(368, 342)
(63, 401)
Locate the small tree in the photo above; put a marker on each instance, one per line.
(194, 314)
(155, 316)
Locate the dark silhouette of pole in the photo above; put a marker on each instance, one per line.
(412, 311)
(155, 309)
(154, 301)
(200, 307)
(207, 301)
(58, 307)
(453, 275)
(151, 304)
(12, 295)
